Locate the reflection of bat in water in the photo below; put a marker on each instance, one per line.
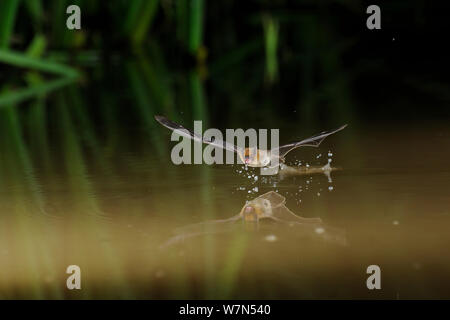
(286, 170)
(252, 156)
(270, 206)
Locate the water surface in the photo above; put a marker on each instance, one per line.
(106, 197)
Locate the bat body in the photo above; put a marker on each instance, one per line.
(253, 157)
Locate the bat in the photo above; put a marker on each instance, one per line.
(269, 206)
(252, 156)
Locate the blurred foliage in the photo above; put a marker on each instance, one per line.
(306, 55)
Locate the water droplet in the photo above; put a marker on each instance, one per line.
(319, 230)
(271, 238)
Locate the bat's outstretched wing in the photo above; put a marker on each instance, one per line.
(182, 131)
(283, 214)
(201, 229)
(313, 141)
(210, 226)
(274, 198)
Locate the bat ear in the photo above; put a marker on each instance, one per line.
(274, 198)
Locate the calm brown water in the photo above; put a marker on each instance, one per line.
(110, 214)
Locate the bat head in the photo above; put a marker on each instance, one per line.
(254, 157)
(256, 209)
(250, 156)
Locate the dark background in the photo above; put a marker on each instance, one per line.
(328, 63)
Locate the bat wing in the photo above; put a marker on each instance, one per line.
(274, 198)
(313, 141)
(284, 214)
(211, 226)
(202, 229)
(182, 131)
